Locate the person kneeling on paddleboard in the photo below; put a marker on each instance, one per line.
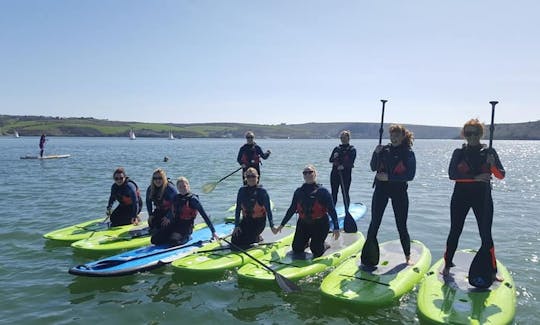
(313, 203)
(159, 199)
(177, 231)
(126, 192)
(253, 203)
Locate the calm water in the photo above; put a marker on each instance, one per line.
(37, 197)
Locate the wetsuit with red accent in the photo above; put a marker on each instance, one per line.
(314, 205)
(253, 203)
(184, 211)
(129, 200)
(250, 155)
(400, 165)
(159, 205)
(346, 154)
(466, 163)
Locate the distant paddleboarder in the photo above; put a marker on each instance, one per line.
(42, 141)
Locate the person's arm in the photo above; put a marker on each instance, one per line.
(134, 201)
(350, 163)
(239, 157)
(326, 199)
(196, 204)
(497, 168)
(168, 200)
(111, 198)
(239, 198)
(333, 159)
(453, 172)
(149, 207)
(375, 160)
(267, 207)
(264, 155)
(291, 210)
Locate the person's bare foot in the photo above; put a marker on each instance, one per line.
(446, 269)
(408, 260)
(497, 278)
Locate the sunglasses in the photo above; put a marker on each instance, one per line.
(251, 176)
(118, 178)
(307, 172)
(249, 137)
(157, 178)
(470, 133)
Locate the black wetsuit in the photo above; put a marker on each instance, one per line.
(466, 163)
(313, 203)
(400, 165)
(346, 156)
(253, 203)
(130, 201)
(160, 207)
(250, 155)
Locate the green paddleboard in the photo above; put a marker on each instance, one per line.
(213, 260)
(96, 227)
(104, 244)
(452, 299)
(282, 261)
(391, 279)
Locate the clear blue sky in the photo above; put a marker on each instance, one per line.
(269, 62)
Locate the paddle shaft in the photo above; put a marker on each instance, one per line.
(345, 202)
(224, 177)
(381, 130)
(250, 256)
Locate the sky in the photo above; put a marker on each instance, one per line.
(271, 62)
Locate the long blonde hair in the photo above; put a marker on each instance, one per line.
(474, 122)
(154, 188)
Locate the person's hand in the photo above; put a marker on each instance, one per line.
(484, 177)
(243, 166)
(165, 222)
(336, 234)
(378, 148)
(276, 230)
(215, 236)
(268, 152)
(336, 155)
(382, 176)
(135, 221)
(108, 212)
(340, 167)
(237, 231)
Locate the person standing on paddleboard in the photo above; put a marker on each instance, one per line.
(342, 159)
(253, 203)
(471, 168)
(250, 155)
(314, 204)
(159, 199)
(395, 165)
(126, 192)
(42, 141)
(177, 230)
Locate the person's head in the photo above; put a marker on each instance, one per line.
(345, 136)
(310, 174)
(473, 131)
(119, 175)
(252, 176)
(159, 178)
(250, 136)
(400, 135)
(182, 184)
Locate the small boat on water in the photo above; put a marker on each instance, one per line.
(132, 135)
(171, 136)
(15, 134)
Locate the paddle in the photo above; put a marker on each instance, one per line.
(209, 187)
(349, 225)
(284, 283)
(114, 262)
(370, 251)
(481, 269)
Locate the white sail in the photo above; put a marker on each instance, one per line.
(131, 135)
(16, 134)
(171, 136)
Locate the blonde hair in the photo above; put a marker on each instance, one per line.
(182, 179)
(249, 133)
(154, 188)
(252, 171)
(408, 136)
(474, 122)
(345, 132)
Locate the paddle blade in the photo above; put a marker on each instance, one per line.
(370, 253)
(349, 224)
(481, 271)
(209, 187)
(285, 284)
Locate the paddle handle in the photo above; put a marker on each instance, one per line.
(492, 125)
(381, 130)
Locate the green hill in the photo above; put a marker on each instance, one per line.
(59, 126)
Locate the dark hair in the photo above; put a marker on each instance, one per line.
(119, 170)
(408, 135)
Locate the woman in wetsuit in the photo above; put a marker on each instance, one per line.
(471, 168)
(395, 165)
(253, 203)
(159, 199)
(126, 192)
(314, 204)
(342, 159)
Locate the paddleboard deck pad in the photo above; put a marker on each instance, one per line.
(451, 299)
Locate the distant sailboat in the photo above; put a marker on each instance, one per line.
(171, 136)
(131, 135)
(16, 134)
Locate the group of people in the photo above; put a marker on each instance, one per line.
(172, 210)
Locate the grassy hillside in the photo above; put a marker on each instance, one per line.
(58, 126)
